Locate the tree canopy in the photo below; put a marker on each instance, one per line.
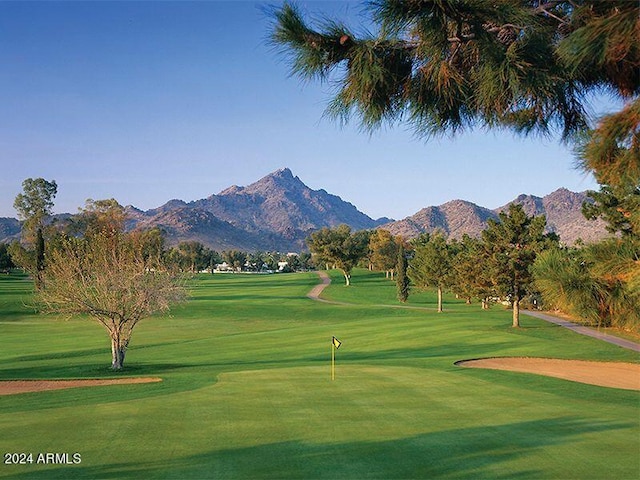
(384, 251)
(431, 264)
(34, 205)
(446, 65)
(512, 246)
(340, 246)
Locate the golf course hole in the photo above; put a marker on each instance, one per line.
(605, 374)
(11, 387)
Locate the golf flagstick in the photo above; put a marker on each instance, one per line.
(335, 344)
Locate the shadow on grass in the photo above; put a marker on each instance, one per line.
(17, 317)
(101, 351)
(89, 370)
(508, 451)
(284, 359)
(90, 395)
(427, 352)
(246, 298)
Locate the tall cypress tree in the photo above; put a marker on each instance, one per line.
(402, 279)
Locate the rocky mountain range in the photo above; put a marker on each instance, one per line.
(562, 208)
(279, 211)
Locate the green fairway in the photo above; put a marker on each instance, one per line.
(247, 392)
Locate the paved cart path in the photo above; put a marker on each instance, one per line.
(582, 330)
(325, 281)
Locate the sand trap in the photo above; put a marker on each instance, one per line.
(605, 374)
(12, 387)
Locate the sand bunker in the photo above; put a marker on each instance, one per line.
(12, 387)
(605, 374)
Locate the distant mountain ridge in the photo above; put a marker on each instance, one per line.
(278, 212)
(9, 229)
(454, 219)
(562, 208)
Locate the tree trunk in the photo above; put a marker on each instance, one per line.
(118, 352)
(347, 279)
(439, 299)
(39, 258)
(516, 312)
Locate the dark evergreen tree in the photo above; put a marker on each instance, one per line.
(512, 245)
(6, 262)
(469, 279)
(619, 206)
(402, 279)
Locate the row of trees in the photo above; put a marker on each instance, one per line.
(187, 256)
(495, 266)
(513, 260)
(193, 256)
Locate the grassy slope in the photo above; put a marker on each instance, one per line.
(247, 391)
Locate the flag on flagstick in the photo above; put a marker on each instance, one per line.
(335, 344)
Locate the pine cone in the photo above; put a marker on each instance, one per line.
(507, 36)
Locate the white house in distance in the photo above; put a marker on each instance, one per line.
(282, 265)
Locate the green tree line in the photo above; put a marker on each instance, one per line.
(513, 261)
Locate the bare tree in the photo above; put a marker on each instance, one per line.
(106, 276)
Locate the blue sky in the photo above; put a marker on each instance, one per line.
(149, 101)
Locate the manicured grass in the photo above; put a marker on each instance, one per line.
(247, 390)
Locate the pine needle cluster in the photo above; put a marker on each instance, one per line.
(443, 66)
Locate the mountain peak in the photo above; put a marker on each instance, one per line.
(280, 181)
(279, 211)
(282, 176)
(282, 173)
(279, 178)
(283, 209)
